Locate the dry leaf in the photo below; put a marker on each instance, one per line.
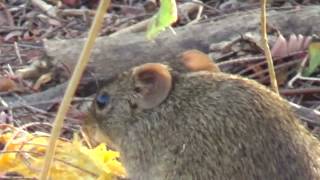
(24, 155)
(279, 48)
(283, 48)
(7, 84)
(45, 78)
(293, 44)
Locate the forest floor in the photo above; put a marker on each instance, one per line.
(25, 25)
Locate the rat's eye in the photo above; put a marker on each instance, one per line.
(102, 100)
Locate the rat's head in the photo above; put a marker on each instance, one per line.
(142, 88)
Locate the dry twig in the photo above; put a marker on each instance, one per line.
(79, 69)
(266, 48)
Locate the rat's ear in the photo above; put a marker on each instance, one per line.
(153, 82)
(195, 60)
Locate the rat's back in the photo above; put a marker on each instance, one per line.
(202, 125)
(230, 127)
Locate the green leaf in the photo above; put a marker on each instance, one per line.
(163, 19)
(314, 56)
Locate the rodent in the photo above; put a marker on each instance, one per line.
(204, 124)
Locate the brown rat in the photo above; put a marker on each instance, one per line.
(201, 125)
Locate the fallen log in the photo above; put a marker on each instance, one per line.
(116, 54)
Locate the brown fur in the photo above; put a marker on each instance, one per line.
(210, 126)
